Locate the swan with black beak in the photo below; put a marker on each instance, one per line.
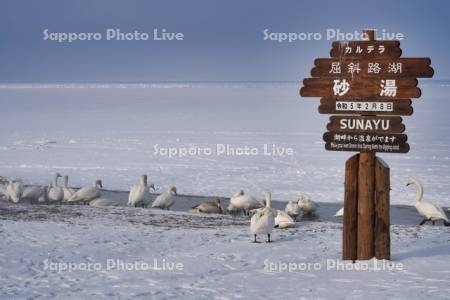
(428, 211)
(263, 221)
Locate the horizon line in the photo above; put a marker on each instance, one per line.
(171, 81)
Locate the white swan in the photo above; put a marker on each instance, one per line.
(166, 199)
(104, 202)
(428, 211)
(68, 192)
(14, 190)
(210, 207)
(55, 192)
(33, 193)
(140, 194)
(44, 197)
(339, 213)
(283, 220)
(292, 209)
(240, 201)
(263, 220)
(308, 206)
(87, 193)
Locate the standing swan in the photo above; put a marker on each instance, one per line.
(87, 193)
(263, 220)
(140, 194)
(55, 192)
(166, 199)
(428, 211)
(68, 192)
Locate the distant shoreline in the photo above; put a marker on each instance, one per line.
(168, 84)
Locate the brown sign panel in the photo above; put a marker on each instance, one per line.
(369, 107)
(356, 67)
(374, 124)
(366, 49)
(366, 142)
(345, 88)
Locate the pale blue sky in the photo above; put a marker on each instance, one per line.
(223, 39)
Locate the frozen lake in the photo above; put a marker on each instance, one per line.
(110, 132)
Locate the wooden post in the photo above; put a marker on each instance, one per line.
(366, 207)
(370, 34)
(382, 216)
(350, 222)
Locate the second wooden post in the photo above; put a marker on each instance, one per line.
(366, 207)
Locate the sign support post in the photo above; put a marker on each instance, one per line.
(350, 220)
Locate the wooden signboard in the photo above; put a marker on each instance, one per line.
(366, 141)
(366, 123)
(366, 49)
(368, 107)
(360, 88)
(368, 86)
(398, 68)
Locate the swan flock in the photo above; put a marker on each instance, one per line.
(263, 218)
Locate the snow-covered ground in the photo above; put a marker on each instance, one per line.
(110, 131)
(121, 252)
